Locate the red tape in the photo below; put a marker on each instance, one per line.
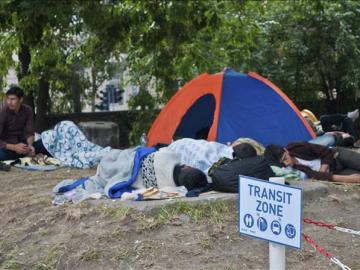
(320, 224)
(317, 246)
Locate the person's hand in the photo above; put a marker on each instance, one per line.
(324, 168)
(32, 151)
(21, 148)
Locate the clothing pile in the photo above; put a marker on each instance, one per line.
(39, 162)
(4, 167)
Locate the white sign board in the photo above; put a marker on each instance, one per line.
(270, 211)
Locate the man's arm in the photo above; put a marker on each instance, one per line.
(352, 178)
(19, 148)
(325, 154)
(324, 168)
(313, 174)
(2, 144)
(30, 142)
(2, 123)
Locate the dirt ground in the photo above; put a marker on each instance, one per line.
(34, 234)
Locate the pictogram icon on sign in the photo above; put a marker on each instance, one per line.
(248, 220)
(290, 231)
(275, 227)
(262, 224)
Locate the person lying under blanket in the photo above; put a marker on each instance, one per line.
(202, 154)
(317, 161)
(122, 171)
(334, 129)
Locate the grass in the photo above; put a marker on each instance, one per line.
(12, 264)
(50, 259)
(116, 213)
(208, 241)
(8, 260)
(123, 254)
(76, 213)
(216, 212)
(91, 254)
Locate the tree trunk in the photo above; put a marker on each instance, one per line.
(25, 59)
(76, 95)
(93, 89)
(42, 106)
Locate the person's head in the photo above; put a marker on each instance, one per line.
(278, 154)
(311, 123)
(189, 177)
(14, 97)
(244, 150)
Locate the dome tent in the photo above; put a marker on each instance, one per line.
(229, 105)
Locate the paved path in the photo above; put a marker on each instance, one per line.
(312, 190)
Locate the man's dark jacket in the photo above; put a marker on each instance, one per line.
(309, 151)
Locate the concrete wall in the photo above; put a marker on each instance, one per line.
(122, 118)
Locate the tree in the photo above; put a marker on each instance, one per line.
(160, 37)
(310, 47)
(33, 27)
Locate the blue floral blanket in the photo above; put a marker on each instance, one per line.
(67, 143)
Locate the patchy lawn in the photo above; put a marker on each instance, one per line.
(34, 234)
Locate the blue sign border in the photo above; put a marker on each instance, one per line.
(261, 180)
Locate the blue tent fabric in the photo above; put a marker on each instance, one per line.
(256, 111)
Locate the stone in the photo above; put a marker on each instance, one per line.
(101, 132)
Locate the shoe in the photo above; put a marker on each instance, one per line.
(4, 167)
(353, 115)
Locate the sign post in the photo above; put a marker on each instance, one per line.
(276, 251)
(271, 211)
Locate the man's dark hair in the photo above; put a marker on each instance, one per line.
(274, 153)
(189, 177)
(244, 150)
(16, 91)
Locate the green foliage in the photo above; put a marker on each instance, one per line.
(306, 47)
(145, 114)
(309, 47)
(171, 42)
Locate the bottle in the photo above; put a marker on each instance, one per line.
(143, 140)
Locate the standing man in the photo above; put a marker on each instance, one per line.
(17, 128)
